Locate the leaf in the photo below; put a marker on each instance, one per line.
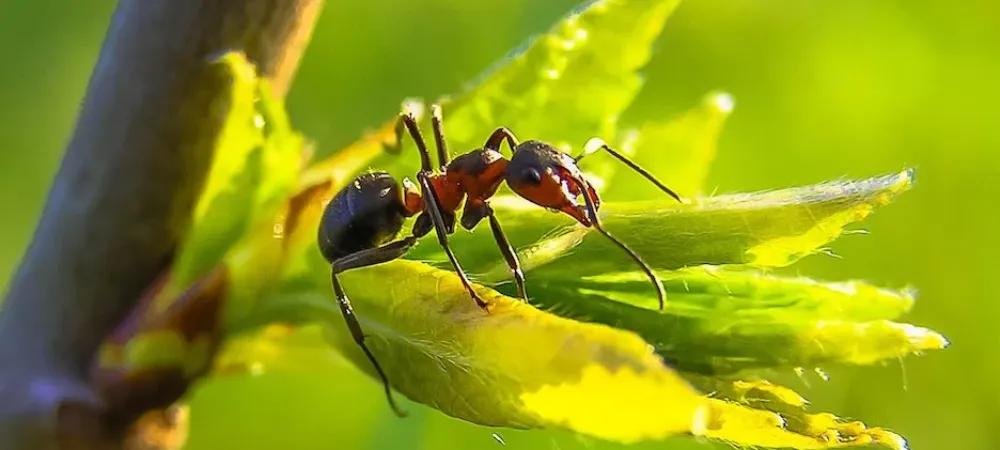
(536, 93)
(277, 347)
(255, 165)
(171, 336)
(343, 165)
(476, 366)
(224, 207)
(282, 154)
(761, 414)
(724, 322)
(598, 32)
(440, 349)
(679, 150)
(593, 357)
(763, 229)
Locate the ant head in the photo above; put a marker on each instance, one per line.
(547, 177)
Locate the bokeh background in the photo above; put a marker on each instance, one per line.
(823, 90)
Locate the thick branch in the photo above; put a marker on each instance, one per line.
(125, 190)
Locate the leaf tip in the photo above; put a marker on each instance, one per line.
(903, 181)
(234, 62)
(721, 103)
(893, 185)
(864, 343)
(910, 174)
(925, 339)
(889, 439)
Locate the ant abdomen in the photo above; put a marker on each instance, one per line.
(367, 213)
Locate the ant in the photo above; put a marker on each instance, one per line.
(360, 224)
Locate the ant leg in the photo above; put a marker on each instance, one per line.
(438, 124)
(632, 166)
(499, 135)
(366, 258)
(433, 209)
(374, 256)
(588, 192)
(359, 338)
(508, 253)
(410, 122)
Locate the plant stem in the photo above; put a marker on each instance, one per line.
(122, 199)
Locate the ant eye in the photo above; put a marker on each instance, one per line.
(531, 176)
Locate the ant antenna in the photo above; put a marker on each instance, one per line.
(596, 144)
(592, 211)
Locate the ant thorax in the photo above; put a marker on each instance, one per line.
(478, 173)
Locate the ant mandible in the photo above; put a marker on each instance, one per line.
(360, 224)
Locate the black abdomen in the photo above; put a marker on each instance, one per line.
(367, 213)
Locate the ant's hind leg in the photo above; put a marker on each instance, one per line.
(359, 337)
(475, 212)
(375, 256)
(366, 258)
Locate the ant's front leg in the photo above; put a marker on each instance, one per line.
(509, 255)
(498, 136)
(476, 211)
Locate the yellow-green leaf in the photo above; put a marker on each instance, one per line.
(256, 164)
(225, 206)
(720, 321)
(768, 229)
(566, 86)
(514, 366)
(762, 414)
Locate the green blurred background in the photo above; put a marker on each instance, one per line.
(823, 90)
